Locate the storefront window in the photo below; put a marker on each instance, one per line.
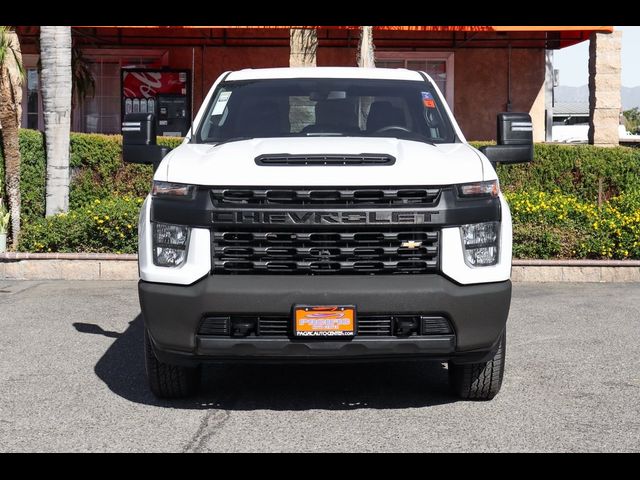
(439, 66)
(33, 99)
(436, 69)
(101, 113)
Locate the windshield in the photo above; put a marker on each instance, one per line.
(311, 107)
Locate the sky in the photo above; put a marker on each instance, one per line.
(573, 62)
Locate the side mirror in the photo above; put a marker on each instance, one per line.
(139, 140)
(515, 140)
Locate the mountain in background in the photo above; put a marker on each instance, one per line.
(630, 95)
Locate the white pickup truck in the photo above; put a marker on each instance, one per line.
(325, 214)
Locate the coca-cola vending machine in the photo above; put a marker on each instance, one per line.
(166, 93)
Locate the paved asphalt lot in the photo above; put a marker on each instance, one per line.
(72, 379)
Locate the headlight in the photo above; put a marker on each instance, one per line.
(170, 243)
(480, 243)
(479, 189)
(168, 189)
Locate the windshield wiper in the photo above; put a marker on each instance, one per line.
(229, 140)
(412, 137)
(428, 142)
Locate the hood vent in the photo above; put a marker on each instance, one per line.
(343, 196)
(362, 159)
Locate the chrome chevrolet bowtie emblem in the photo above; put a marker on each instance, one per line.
(411, 244)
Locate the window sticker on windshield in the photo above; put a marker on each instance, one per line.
(223, 98)
(428, 100)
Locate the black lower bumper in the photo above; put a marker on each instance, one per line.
(172, 314)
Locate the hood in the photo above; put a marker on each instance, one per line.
(233, 163)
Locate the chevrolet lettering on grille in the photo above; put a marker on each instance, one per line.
(322, 218)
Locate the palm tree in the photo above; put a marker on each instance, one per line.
(11, 75)
(304, 44)
(366, 57)
(83, 85)
(56, 86)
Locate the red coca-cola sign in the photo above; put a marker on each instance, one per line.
(149, 84)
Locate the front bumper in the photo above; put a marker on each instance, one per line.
(172, 314)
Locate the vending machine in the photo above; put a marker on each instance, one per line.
(166, 93)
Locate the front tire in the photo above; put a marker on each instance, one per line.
(479, 381)
(168, 381)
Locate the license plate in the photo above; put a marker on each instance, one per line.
(328, 321)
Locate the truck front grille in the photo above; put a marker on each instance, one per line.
(348, 251)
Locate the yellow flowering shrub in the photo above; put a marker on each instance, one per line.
(555, 225)
(108, 226)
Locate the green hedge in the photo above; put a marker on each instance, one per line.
(574, 170)
(32, 174)
(97, 171)
(553, 200)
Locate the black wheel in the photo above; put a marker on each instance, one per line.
(169, 381)
(479, 381)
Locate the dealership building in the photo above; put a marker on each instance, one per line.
(481, 70)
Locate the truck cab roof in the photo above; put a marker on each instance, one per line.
(325, 72)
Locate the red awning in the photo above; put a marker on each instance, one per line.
(564, 35)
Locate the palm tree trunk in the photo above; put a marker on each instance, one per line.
(304, 45)
(10, 113)
(55, 55)
(366, 57)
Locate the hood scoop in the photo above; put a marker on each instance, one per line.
(333, 160)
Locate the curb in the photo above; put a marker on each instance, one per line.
(107, 266)
(68, 266)
(576, 271)
(12, 256)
